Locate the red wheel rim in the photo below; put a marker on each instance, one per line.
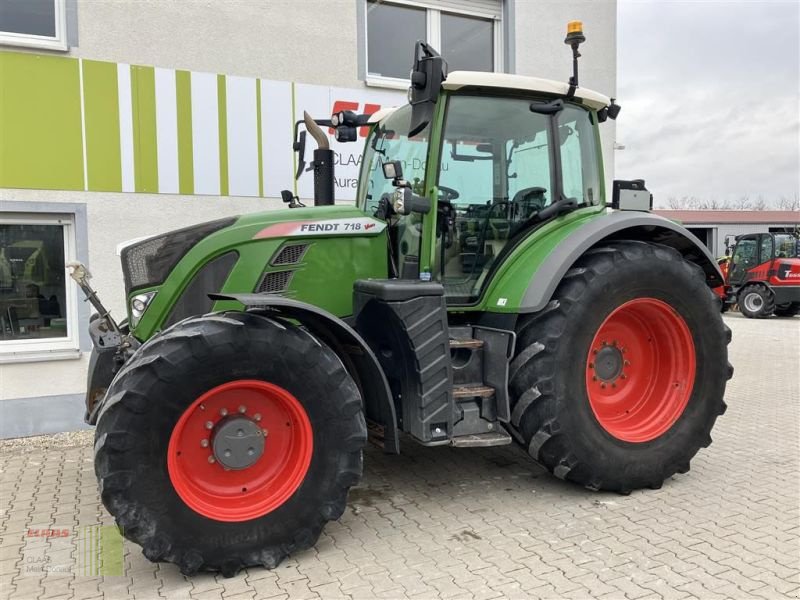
(195, 462)
(640, 370)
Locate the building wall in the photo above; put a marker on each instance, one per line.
(309, 41)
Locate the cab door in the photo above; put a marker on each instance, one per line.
(745, 257)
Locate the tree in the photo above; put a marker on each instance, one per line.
(742, 203)
(785, 203)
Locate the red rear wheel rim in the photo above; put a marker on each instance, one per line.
(640, 370)
(195, 461)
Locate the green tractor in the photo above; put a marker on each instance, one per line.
(480, 291)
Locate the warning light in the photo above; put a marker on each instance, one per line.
(574, 27)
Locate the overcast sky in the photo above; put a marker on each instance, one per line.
(711, 97)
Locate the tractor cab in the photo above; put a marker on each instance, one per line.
(500, 165)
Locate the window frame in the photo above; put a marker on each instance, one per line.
(28, 40)
(76, 313)
(433, 36)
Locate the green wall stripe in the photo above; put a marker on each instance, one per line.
(258, 135)
(145, 158)
(222, 113)
(101, 115)
(183, 94)
(41, 141)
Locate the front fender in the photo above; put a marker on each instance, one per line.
(357, 356)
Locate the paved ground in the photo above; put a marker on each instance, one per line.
(485, 523)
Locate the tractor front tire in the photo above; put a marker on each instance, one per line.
(228, 441)
(617, 383)
(756, 302)
(790, 309)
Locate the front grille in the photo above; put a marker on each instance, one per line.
(275, 282)
(289, 255)
(148, 263)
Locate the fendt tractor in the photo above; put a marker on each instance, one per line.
(480, 291)
(762, 274)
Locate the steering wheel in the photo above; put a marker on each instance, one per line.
(448, 193)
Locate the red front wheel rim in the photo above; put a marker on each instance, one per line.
(240, 450)
(640, 370)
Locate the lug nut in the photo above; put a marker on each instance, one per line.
(209, 425)
(266, 432)
(594, 377)
(204, 443)
(591, 365)
(212, 460)
(603, 385)
(627, 363)
(223, 411)
(202, 407)
(623, 376)
(257, 416)
(242, 409)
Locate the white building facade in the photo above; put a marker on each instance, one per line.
(125, 119)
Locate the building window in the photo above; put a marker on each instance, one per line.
(468, 37)
(38, 311)
(34, 23)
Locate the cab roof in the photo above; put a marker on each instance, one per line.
(461, 79)
(477, 79)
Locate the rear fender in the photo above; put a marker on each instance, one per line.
(616, 225)
(358, 358)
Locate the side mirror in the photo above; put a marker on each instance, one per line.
(393, 169)
(427, 76)
(405, 202)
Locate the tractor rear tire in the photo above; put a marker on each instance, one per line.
(617, 383)
(756, 302)
(790, 309)
(166, 455)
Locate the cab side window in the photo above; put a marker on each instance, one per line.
(579, 157)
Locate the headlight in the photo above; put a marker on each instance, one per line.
(139, 304)
(149, 262)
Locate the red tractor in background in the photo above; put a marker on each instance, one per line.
(763, 275)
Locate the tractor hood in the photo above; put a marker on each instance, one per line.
(311, 254)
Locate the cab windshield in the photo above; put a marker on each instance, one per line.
(786, 246)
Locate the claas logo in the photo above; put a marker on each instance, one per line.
(356, 108)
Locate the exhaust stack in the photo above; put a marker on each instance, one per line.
(324, 187)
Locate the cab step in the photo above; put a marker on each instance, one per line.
(472, 391)
(466, 343)
(499, 437)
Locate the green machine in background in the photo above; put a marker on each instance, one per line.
(481, 291)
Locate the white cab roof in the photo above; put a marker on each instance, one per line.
(460, 79)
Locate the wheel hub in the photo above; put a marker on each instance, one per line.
(608, 363)
(237, 442)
